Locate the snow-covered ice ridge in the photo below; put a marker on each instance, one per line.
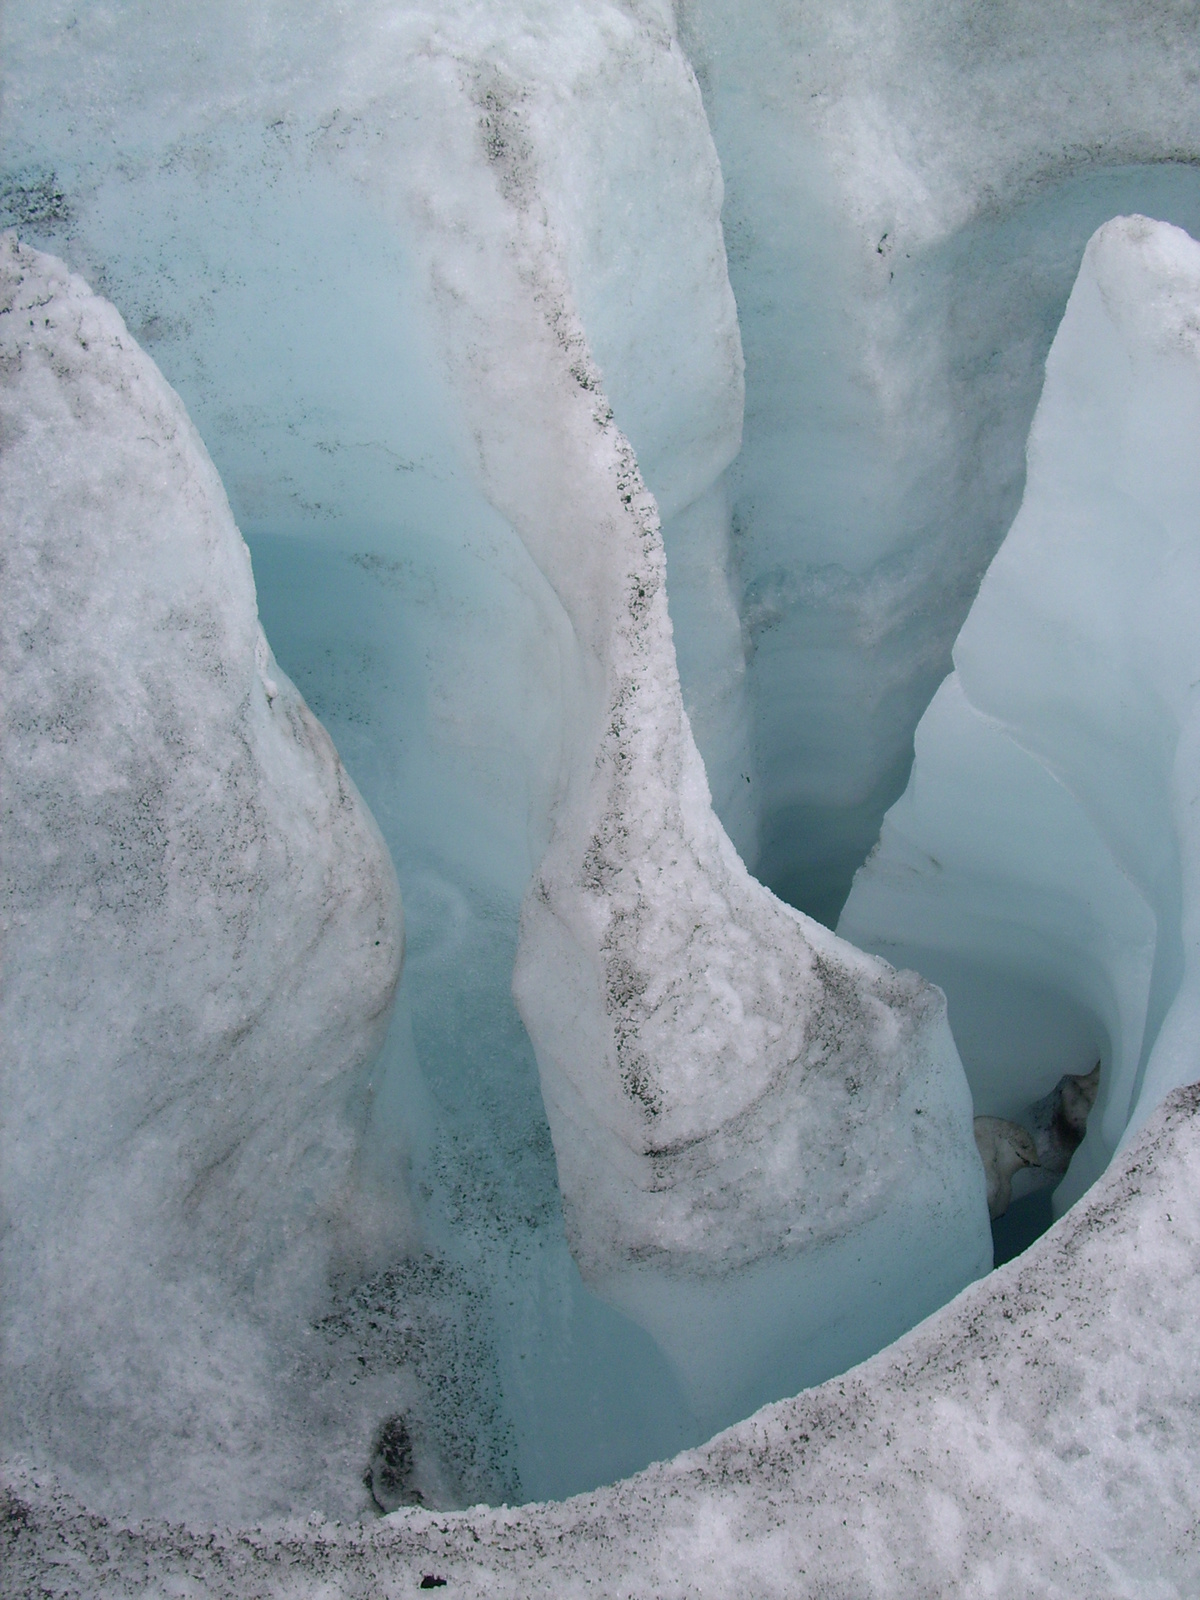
(1032, 1438)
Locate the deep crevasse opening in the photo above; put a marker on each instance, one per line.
(815, 588)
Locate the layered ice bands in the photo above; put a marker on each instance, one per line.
(1042, 864)
(203, 940)
(762, 1136)
(910, 186)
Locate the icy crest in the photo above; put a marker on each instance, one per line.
(203, 939)
(762, 1135)
(1048, 838)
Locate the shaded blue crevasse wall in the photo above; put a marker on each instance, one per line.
(588, 1395)
(386, 584)
(849, 633)
(421, 634)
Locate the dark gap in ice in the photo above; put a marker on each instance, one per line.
(1025, 1221)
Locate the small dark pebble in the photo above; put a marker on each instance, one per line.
(430, 1582)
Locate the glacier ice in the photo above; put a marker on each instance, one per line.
(1038, 865)
(909, 189)
(692, 1033)
(1030, 1438)
(438, 655)
(1022, 1158)
(203, 943)
(341, 233)
(759, 1135)
(1059, 1119)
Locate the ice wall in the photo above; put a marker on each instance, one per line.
(760, 1136)
(396, 292)
(218, 185)
(261, 224)
(1041, 863)
(338, 230)
(909, 188)
(203, 940)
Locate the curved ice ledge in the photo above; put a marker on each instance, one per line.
(1047, 839)
(1028, 1436)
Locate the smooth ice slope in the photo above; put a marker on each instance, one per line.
(909, 188)
(203, 940)
(1042, 863)
(1033, 1438)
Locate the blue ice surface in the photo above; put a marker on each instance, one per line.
(589, 1395)
(380, 571)
(860, 548)
(304, 359)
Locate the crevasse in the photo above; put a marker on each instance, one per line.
(458, 298)
(1037, 864)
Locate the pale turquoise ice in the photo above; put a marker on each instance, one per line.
(903, 194)
(1040, 864)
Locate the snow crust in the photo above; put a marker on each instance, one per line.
(1046, 843)
(203, 940)
(399, 261)
(1030, 1438)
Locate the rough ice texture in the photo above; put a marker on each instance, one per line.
(910, 185)
(1049, 833)
(218, 183)
(203, 939)
(729, 1089)
(762, 1135)
(854, 141)
(1028, 1439)
(218, 179)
